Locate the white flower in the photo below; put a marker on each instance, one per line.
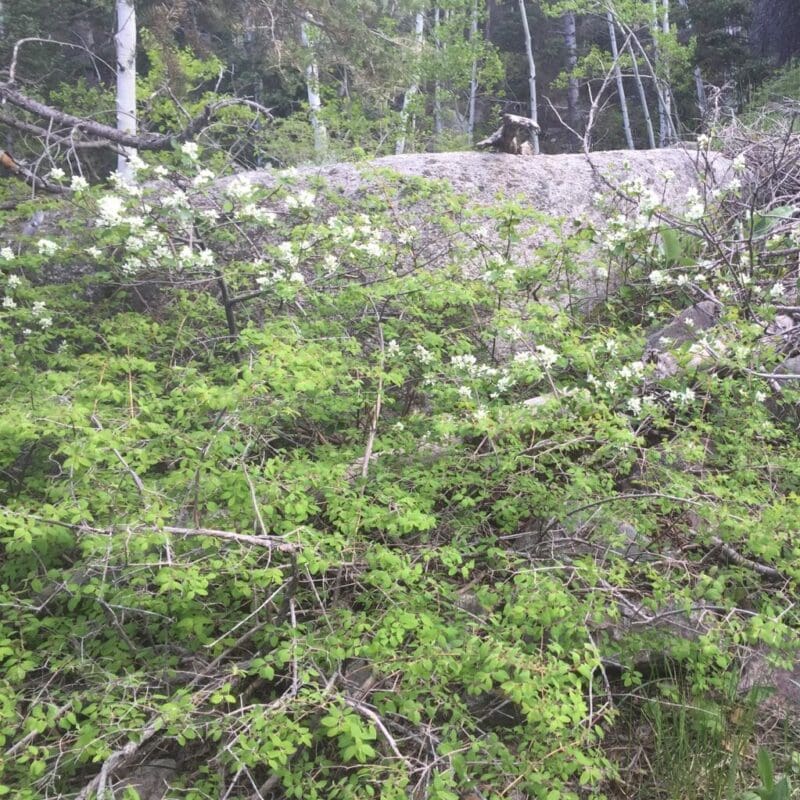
(760, 397)
(94, 252)
(45, 322)
(205, 258)
(211, 214)
(778, 290)
(695, 211)
(465, 392)
(160, 171)
(297, 277)
(423, 355)
(330, 262)
(38, 308)
(135, 221)
(7, 254)
(8, 302)
(132, 265)
(13, 281)
(703, 141)
(57, 174)
(285, 253)
(78, 183)
(185, 256)
(649, 201)
(239, 188)
(658, 278)
(546, 356)
(110, 208)
(46, 247)
(392, 348)
(466, 362)
(191, 149)
(303, 199)
(136, 163)
(124, 185)
(26, 331)
(739, 164)
(203, 178)
(407, 236)
(252, 211)
(682, 280)
(177, 199)
(667, 175)
(684, 398)
(373, 248)
(634, 405)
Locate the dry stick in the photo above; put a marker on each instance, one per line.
(136, 479)
(371, 715)
(744, 561)
(29, 737)
(271, 542)
(373, 426)
(12, 71)
(254, 499)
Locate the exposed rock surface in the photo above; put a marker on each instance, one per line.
(563, 185)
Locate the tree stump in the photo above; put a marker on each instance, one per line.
(513, 136)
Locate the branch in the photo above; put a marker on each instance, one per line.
(15, 168)
(109, 134)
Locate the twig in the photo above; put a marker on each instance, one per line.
(743, 561)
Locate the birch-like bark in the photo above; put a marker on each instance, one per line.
(699, 85)
(573, 92)
(125, 41)
(651, 139)
(623, 101)
(531, 72)
(473, 81)
(419, 30)
(665, 127)
(312, 91)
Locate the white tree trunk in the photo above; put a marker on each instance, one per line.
(473, 81)
(665, 127)
(623, 101)
(651, 139)
(699, 85)
(419, 30)
(573, 92)
(125, 41)
(531, 71)
(312, 91)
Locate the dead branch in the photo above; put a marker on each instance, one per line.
(110, 135)
(513, 136)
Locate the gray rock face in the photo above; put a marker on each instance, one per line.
(561, 185)
(685, 327)
(782, 687)
(150, 780)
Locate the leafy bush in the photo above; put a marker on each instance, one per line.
(286, 505)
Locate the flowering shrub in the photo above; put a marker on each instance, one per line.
(285, 504)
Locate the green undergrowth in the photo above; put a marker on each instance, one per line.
(277, 506)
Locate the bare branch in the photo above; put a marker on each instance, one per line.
(109, 134)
